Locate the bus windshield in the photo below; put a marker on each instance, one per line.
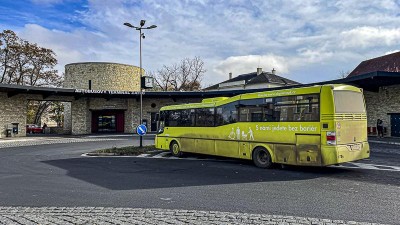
(349, 102)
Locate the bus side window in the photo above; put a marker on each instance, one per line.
(163, 120)
(173, 118)
(205, 117)
(227, 114)
(219, 120)
(269, 113)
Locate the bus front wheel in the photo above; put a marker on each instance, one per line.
(175, 149)
(262, 158)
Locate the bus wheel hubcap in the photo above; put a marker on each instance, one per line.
(176, 149)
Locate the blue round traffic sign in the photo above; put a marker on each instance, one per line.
(141, 129)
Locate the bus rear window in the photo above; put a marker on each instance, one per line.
(349, 102)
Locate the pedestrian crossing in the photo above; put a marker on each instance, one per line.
(157, 154)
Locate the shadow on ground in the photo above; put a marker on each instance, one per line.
(140, 173)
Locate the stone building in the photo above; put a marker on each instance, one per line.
(106, 115)
(382, 96)
(105, 97)
(98, 97)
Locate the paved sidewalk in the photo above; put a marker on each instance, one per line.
(100, 215)
(31, 141)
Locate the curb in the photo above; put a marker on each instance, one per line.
(114, 154)
(99, 154)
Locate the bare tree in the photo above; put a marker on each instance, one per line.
(343, 74)
(185, 76)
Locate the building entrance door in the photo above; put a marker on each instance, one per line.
(108, 121)
(395, 124)
(153, 118)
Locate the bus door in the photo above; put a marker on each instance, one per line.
(308, 149)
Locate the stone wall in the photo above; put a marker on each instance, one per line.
(81, 112)
(67, 118)
(104, 76)
(81, 117)
(380, 104)
(13, 110)
(101, 104)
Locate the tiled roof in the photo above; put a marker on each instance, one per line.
(386, 63)
(271, 78)
(245, 77)
(252, 78)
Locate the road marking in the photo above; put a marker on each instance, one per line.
(368, 166)
(161, 155)
(168, 155)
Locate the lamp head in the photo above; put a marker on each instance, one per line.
(128, 25)
(142, 22)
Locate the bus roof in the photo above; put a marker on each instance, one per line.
(213, 102)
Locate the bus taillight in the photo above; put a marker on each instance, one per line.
(331, 138)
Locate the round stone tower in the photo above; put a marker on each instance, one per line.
(102, 76)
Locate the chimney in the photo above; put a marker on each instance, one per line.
(273, 71)
(259, 71)
(230, 75)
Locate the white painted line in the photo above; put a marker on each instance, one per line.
(161, 155)
(366, 166)
(173, 157)
(142, 155)
(373, 167)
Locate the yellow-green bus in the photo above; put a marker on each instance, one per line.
(314, 126)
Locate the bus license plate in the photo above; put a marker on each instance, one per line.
(356, 147)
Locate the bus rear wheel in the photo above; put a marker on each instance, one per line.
(175, 149)
(262, 158)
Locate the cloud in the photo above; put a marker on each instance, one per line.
(249, 63)
(70, 47)
(310, 40)
(392, 51)
(366, 37)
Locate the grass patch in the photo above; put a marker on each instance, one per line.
(130, 150)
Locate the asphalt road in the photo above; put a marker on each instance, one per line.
(57, 175)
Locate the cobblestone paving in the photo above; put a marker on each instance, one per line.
(99, 215)
(47, 141)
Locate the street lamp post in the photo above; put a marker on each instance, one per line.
(141, 35)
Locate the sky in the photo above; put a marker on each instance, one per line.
(304, 40)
